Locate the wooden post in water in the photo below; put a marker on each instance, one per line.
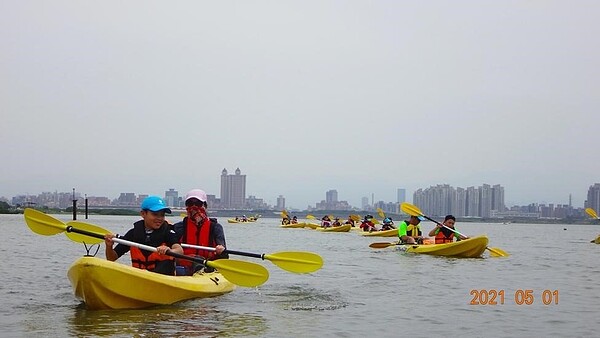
(74, 206)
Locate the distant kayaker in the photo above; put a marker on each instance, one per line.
(367, 224)
(325, 221)
(388, 224)
(409, 231)
(198, 229)
(153, 231)
(350, 221)
(295, 220)
(445, 235)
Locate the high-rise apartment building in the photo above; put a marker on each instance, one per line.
(364, 203)
(280, 202)
(172, 198)
(331, 197)
(472, 202)
(461, 202)
(593, 197)
(485, 200)
(233, 190)
(401, 195)
(498, 198)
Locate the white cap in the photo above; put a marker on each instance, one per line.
(196, 193)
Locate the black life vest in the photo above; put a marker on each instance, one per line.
(149, 260)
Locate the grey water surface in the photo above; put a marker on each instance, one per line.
(359, 291)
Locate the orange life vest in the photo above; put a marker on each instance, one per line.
(148, 260)
(141, 261)
(444, 236)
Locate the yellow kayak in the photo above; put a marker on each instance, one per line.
(311, 225)
(233, 220)
(381, 233)
(104, 285)
(468, 248)
(597, 240)
(293, 225)
(341, 228)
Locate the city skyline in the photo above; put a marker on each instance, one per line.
(354, 96)
(331, 200)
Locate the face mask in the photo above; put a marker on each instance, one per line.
(196, 213)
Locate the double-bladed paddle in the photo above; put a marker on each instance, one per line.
(292, 261)
(381, 245)
(592, 213)
(380, 213)
(241, 273)
(415, 211)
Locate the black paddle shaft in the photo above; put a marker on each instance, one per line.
(247, 254)
(168, 253)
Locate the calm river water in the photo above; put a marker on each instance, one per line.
(359, 292)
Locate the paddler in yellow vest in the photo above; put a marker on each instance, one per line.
(445, 234)
(409, 231)
(153, 231)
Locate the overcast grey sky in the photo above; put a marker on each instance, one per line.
(303, 96)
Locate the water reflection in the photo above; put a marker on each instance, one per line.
(190, 319)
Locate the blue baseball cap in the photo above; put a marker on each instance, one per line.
(155, 203)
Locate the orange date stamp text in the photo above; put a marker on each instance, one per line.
(518, 297)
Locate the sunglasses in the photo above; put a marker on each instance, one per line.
(194, 202)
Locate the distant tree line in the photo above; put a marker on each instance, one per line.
(5, 208)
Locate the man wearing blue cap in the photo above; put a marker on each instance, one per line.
(151, 230)
(410, 231)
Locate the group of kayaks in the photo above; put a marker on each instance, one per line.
(473, 247)
(342, 228)
(103, 284)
